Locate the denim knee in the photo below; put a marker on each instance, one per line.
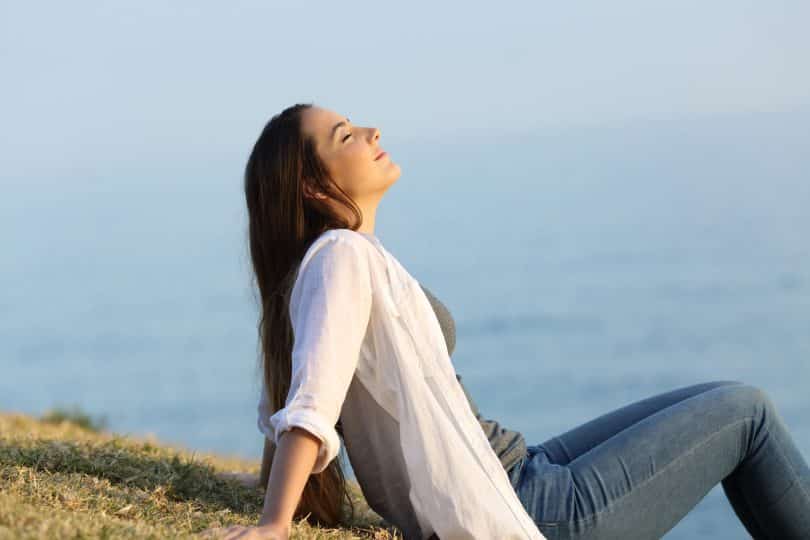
(751, 400)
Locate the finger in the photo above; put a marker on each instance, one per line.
(232, 535)
(222, 532)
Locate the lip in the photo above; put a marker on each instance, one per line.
(380, 155)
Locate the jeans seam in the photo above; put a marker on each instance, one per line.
(610, 506)
(796, 477)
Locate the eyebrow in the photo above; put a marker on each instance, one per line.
(334, 128)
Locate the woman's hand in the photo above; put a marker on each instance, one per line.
(249, 480)
(263, 532)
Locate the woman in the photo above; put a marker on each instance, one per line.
(370, 363)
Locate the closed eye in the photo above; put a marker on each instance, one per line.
(346, 137)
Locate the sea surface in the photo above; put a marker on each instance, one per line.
(585, 268)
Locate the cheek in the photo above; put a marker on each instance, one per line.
(359, 167)
(356, 169)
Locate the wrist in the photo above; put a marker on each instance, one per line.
(275, 530)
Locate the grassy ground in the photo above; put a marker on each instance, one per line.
(64, 476)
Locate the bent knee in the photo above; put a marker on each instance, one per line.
(751, 399)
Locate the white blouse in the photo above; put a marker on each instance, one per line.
(356, 311)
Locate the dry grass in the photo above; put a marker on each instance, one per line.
(61, 476)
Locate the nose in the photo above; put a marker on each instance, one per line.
(375, 134)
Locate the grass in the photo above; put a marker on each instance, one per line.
(64, 476)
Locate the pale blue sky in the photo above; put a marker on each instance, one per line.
(148, 80)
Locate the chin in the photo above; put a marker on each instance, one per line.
(393, 180)
(397, 174)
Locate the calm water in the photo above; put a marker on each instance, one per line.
(585, 269)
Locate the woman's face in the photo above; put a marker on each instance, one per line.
(349, 153)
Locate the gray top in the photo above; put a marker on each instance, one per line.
(371, 438)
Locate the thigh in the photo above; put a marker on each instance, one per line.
(643, 480)
(564, 448)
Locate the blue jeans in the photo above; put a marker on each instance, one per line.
(633, 473)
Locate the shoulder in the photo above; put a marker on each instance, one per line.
(340, 244)
(344, 235)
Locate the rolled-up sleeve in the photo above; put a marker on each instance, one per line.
(264, 412)
(330, 309)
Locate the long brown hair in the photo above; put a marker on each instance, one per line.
(282, 224)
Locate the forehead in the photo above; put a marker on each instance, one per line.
(318, 122)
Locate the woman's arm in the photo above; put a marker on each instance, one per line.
(292, 465)
(330, 310)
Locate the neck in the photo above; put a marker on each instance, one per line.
(369, 217)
